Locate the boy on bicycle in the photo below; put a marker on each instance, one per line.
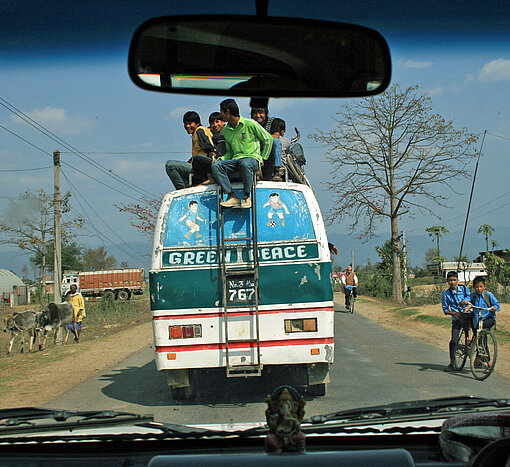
(453, 302)
(484, 299)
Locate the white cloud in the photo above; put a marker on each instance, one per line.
(178, 112)
(496, 70)
(57, 121)
(436, 91)
(417, 64)
(280, 104)
(137, 167)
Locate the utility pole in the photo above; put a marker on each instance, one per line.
(352, 260)
(57, 207)
(404, 251)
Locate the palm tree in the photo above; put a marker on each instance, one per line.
(486, 230)
(437, 231)
(495, 244)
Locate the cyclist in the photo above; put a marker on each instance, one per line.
(350, 282)
(484, 299)
(453, 301)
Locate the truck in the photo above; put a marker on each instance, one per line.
(118, 284)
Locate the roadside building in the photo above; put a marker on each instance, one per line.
(503, 254)
(10, 286)
(466, 271)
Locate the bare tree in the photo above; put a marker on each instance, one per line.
(142, 215)
(29, 225)
(388, 154)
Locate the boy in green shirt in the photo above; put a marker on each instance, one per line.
(243, 138)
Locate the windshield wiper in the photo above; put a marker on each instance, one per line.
(447, 406)
(28, 419)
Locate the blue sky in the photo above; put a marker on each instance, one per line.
(89, 102)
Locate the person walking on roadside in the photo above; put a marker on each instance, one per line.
(76, 299)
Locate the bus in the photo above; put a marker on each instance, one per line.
(279, 316)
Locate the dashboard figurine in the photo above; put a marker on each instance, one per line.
(284, 413)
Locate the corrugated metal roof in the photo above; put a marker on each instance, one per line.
(7, 280)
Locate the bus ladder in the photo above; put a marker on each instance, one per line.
(234, 275)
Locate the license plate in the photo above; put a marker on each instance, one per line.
(241, 290)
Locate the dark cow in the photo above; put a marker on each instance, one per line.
(21, 323)
(58, 315)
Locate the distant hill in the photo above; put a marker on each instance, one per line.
(417, 245)
(12, 260)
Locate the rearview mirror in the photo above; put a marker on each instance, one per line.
(258, 57)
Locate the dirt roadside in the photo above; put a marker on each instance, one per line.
(411, 322)
(33, 379)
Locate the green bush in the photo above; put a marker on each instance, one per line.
(374, 285)
(109, 312)
(423, 280)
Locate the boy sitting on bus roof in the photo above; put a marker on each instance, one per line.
(201, 165)
(243, 138)
(201, 143)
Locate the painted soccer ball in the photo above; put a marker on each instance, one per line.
(272, 224)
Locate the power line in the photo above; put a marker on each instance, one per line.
(26, 170)
(127, 153)
(475, 209)
(102, 237)
(499, 136)
(99, 217)
(68, 146)
(67, 164)
(25, 140)
(94, 227)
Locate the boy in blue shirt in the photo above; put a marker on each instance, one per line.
(483, 299)
(453, 302)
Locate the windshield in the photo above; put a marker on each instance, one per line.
(348, 303)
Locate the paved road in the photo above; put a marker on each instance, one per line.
(373, 365)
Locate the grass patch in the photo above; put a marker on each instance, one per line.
(364, 300)
(404, 312)
(502, 336)
(426, 280)
(111, 312)
(437, 320)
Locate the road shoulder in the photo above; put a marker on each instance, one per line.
(426, 323)
(49, 373)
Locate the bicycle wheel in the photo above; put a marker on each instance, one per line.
(351, 305)
(295, 171)
(462, 351)
(483, 355)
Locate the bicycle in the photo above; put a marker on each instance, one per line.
(482, 349)
(294, 162)
(351, 299)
